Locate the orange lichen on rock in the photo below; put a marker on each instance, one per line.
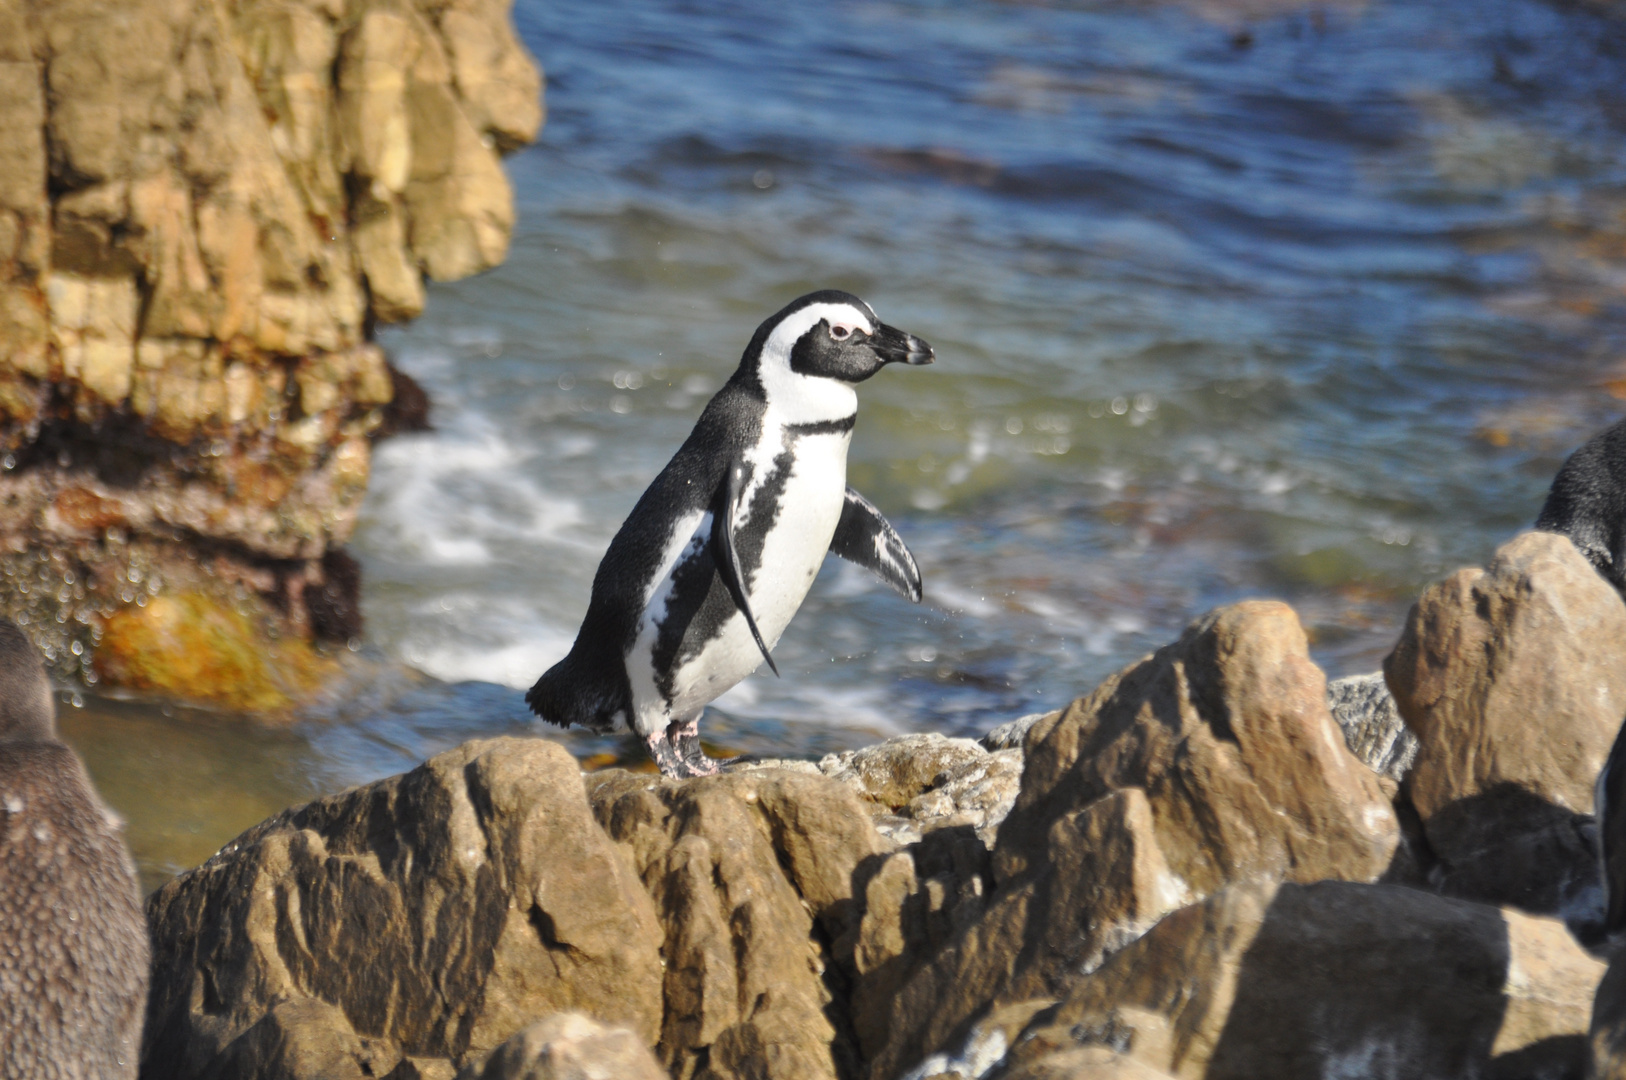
(199, 648)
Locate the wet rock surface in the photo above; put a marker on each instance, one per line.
(204, 210)
(1514, 680)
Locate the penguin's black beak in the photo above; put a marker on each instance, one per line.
(894, 346)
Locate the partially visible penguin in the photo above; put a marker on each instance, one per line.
(1609, 810)
(73, 939)
(718, 554)
(1587, 503)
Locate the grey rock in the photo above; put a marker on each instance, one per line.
(914, 784)
(569, 1046)
(1009, 735)
(1372, 726)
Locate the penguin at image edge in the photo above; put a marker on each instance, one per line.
(719, 552)
(1587, 503)
(73, 938)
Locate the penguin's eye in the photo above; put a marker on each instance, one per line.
(841, 331)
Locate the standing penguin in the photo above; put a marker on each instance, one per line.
(1587, 503)
(720, 551)
(73, 940)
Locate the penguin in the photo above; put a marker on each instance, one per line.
(73, 939)
(719, 552)
(1609, 811)
(1587, 503)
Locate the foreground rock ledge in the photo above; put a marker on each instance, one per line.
(430, 915)
(205, 208)
(1154, 905)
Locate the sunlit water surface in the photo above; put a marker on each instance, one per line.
(1227, 302)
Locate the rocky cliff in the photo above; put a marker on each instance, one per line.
(205, 208)
(1196, 870)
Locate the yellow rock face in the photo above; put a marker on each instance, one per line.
(198, 648)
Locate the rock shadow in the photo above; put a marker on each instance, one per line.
(1427, 1003)
(1507, 845)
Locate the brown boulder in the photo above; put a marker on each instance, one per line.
(752, 874)
(428, 915)
(569, 1046)
(1335, 978)
(1213, 760)
(305, 1039)
(1104, 882)
(1514, 680)
(1228, 732)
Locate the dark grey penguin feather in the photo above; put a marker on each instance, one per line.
(73, 939)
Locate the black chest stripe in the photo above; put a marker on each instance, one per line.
(823, 427)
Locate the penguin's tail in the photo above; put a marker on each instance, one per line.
(566, 694)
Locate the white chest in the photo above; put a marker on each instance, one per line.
(793, 502)
(805, 510)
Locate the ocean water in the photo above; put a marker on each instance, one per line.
(1229, 300)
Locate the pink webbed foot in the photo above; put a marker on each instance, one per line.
(678, 753)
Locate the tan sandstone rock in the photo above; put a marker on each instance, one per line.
(1213, 760)
(752, 874)
(570, 1046)
(1514, 680)
(1332, 979)
(426, 916)
(204, 208)
(1232, 715)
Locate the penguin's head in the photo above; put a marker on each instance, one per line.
(27, 711)
(811, 353)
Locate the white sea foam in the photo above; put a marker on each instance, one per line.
(807, 699)
(443, 497)
(476, 636)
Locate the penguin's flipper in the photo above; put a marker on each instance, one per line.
(866, 538)
(727, 559)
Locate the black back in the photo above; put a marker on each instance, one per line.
(1588, 503)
